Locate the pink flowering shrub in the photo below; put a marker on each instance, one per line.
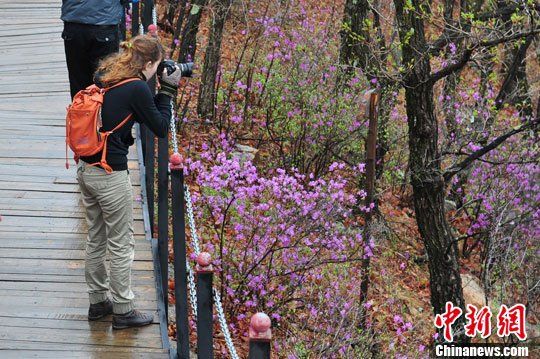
(286, 93)
(282, 241)
(506, 218)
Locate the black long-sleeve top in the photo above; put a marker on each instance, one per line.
(133, 97)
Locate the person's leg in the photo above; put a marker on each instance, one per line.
(117, 204)
(104, 41)
(116, 201)
(96, 244)
(76, 47)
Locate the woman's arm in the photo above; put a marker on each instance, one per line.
(154, 112)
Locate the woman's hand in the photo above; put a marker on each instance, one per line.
(169, 83)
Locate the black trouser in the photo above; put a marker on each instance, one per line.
(85, 45)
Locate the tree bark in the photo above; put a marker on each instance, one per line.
(424, 161)
(354, 51)
(178, 25)
(188, 45)
(207, 94)
(516, 86)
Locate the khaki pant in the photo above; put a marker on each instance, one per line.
(108, 200)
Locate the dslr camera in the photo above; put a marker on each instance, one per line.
(170, 65)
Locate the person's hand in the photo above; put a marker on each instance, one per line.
(169, 83)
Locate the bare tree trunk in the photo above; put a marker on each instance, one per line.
(207, 94)
(516, 87)
(354, 51)
(424, 161)
(179, 24)
(188, 45)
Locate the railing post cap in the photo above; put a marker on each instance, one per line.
(176, 161)
(204, 259)
(259, 327)
(204, 263)
(152, 29)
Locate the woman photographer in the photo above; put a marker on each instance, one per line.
(108, 197)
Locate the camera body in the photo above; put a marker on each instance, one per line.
(170, 65)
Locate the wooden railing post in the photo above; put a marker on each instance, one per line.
(163, 214)
(135, 18)
(371, 147)
(149, 163)
(260, 336)
(205, 273)
(179, 247)
(146, 13)
(122, 26)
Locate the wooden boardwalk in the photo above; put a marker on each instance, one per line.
(43, 299)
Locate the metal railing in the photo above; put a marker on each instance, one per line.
(195, 285)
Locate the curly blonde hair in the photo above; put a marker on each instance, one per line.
(130, 61)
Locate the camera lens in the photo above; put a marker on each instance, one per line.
(186, 69)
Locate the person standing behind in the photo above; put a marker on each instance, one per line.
(90, 33)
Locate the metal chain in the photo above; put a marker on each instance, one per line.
(217, 298)
(191, 220)
(223, 325)
(197, 249)
(173, 128)
(192, 290)
(154, 16)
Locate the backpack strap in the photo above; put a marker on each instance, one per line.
(103, 162)
(121, 83)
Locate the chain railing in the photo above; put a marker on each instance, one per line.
(195, 285)
(192, 290)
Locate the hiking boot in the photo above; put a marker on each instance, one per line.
(131, 319)
(100, 310)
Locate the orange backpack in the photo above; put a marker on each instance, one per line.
(83, 122)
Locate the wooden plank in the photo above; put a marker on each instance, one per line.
(140, 295)
(55, 271)
(39, 186)
(51, 223)
(141, 245)
(27, 253)
(66, 313)
(46, 302)
(147, 278)
(55, 354)
(46, 178)
(50, 213)
(56, 313)
(73, 237)
(15, 209)
(132, 162)
(88, 351)
(52, 228)
(81, 337)
(61, 287)
(56, 237)
(22, 265)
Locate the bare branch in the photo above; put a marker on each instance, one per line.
(453, 34)
(449, 173)
(466, 55)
